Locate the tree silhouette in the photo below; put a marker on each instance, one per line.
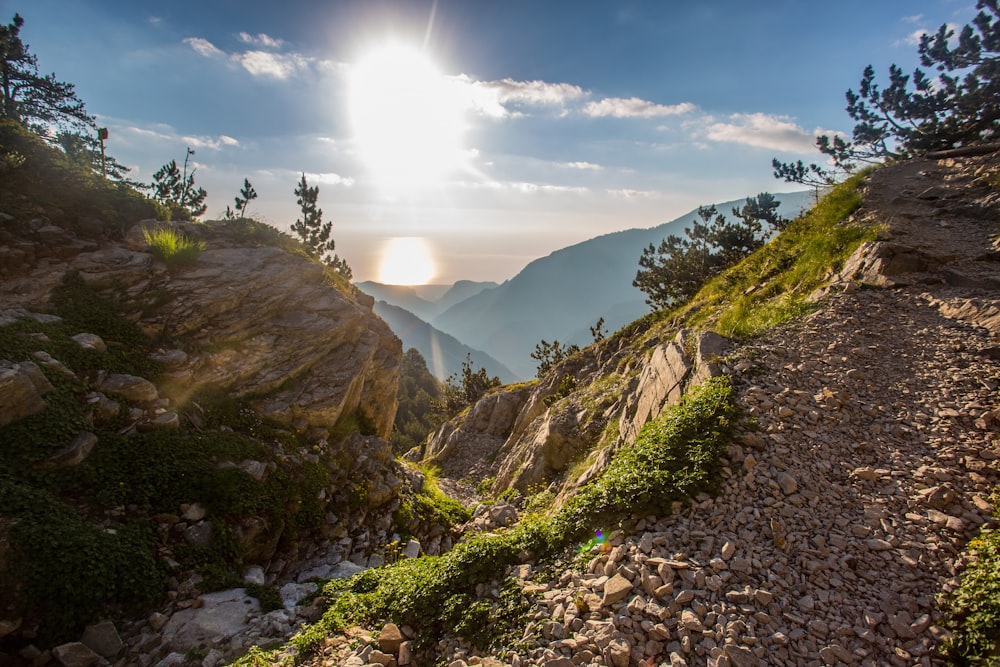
(915, 114)
(40, 102)
(175, 189)
(674, 271)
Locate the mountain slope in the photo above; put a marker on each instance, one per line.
(560, 296)
(424, 301)
(443, 353)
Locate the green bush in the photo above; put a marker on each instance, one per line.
(973, 610)
(172, 247)
(75, 572)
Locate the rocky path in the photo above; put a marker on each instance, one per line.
(844, 511)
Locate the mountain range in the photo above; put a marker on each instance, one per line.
(557, 297)
(443, 353)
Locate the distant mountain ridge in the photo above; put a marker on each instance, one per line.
(560, 296)
(424, 301)
(443, 353)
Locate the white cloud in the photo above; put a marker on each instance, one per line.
(916, 18)
(261, 40)
(764, 131)
(625, 193)
(204, 47)
(913, 39)
(328, 178)
(274, 65)
(582, 166)
(633, 107)
(494, 98)
(259, 63)
(213, 143)
(154, 20)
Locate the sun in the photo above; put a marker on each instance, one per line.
(407, 117)
(406, 260)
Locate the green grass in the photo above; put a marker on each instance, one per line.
(174, 248)
(771, 285)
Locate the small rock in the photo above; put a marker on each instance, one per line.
(75, 654)
(616, 589)
(131, 388)
(74, 453)
(103, 639)
(89, 341)
(390, 638)
(691, 621)
(412, 549)
(787, 483)
(741, 656)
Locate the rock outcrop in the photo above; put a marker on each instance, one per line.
(530, 436)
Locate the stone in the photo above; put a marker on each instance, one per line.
(221, 617)
(292, 593)
(75, 654)
(22, 387)
(89, 341)
(616, 589)
(787, 483)
(195, 512)
(876, 544)
(690, 621)
(74, 453)
(130, 387)
(405, 654)
(740, 656)
(390, 638)
(412, 549)
(618, 653)
(199, 534)
(103, 639)
(163, 421)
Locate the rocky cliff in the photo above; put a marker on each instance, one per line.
(250, 319)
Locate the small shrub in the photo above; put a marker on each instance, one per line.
(267, 595)
(174, 248)
(974, 608)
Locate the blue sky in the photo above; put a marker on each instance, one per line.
(493, 132)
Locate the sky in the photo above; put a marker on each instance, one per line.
(461, 139)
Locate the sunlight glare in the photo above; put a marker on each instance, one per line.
(407, 117)
(406, 260)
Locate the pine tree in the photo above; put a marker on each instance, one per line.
(247, 194)
(315, 234)
(40, 102)
(175, 189)
(918, 113)
(674, 271)
(85, 150)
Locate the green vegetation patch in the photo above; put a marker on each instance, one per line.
(73, 571)
(174, 248)
(675, 456)
(973, 610)
(772, 284)
(33, 167)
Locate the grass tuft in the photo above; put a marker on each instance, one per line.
(174, 248)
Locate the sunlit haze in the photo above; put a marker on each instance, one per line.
(406, 261)
(493, 133)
